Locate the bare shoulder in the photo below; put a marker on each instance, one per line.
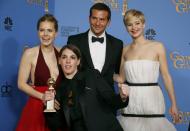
(157, 45)
(31, 52)
(125, 51)
(126, 47)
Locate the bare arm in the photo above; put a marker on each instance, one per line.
(167, 79)
(121, 77)
(24, 73)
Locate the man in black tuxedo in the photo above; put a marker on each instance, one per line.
(99, 49)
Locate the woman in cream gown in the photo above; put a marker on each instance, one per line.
(142, 61)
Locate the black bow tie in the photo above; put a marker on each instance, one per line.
(101, 39)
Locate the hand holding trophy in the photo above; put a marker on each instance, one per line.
(50, 103)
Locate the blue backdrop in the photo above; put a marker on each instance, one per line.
(166, 21)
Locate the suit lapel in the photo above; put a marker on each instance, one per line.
(109, 54)
(86, 50)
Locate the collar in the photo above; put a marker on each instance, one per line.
(90, 34)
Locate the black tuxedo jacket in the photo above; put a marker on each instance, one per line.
(114, 48)
(96, 102)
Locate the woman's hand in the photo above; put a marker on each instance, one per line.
(175, 114)
(124, 91)
(48, 95)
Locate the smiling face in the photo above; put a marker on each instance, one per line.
(135, 27)
(47, 33)
(98, 21)
(69, 63)
(134, 21)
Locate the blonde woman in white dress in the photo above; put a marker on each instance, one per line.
(142, 62)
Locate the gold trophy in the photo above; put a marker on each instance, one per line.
(50, 103)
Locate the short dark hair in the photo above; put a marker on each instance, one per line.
(101, 6)
(74, 49)
(49, 18)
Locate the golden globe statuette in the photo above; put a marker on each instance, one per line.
(50, 103)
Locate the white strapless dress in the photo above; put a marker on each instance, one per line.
(144, 99)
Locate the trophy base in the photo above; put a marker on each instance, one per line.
(49, 110)
(50, 106)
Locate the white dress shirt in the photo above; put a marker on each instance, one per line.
(97, 50)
